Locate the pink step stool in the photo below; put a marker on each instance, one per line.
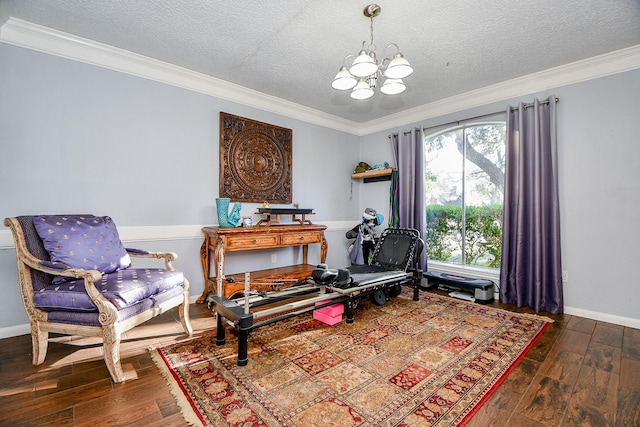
(330, 315)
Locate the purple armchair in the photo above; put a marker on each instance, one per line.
(76, 279)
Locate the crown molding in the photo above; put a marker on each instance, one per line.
(36, 37)
(592, 68)
(47, 40)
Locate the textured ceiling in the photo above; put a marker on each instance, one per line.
(293, 48)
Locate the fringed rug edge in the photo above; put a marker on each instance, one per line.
(485, 397)
(176, 388)
(537, 317)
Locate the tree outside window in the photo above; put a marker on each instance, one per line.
(464, 184)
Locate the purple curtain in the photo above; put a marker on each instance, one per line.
(531, 269)
(408, 149)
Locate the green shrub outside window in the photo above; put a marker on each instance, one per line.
(464, 189)
(483, 240)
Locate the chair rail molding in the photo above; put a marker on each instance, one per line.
(168, 232)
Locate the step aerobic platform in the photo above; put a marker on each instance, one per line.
(482, 289)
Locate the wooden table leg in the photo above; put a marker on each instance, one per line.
(324, 248)
(218, 256)
(204, 260)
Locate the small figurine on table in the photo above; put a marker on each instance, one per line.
(361, 249)
(234, 216)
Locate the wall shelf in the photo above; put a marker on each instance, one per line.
(374, 175)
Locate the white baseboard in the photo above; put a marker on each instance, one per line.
(603, 317)
(15, 331)
(495, 276)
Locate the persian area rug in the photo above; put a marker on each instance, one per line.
(432, 362)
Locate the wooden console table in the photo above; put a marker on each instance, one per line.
(223, 240)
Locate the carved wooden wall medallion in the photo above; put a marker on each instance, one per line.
(255, 161)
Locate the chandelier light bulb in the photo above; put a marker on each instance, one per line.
(393, 87)
(344, 80)
(398, 68)
(364, 65)
(362, 90)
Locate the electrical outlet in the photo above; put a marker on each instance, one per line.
(565, 276)
(274, 258)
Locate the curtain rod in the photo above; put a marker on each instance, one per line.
(546, 101)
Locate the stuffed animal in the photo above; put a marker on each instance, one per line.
(362, 167)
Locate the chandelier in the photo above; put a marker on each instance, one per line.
(361, 77)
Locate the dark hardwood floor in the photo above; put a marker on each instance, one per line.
(580, 373)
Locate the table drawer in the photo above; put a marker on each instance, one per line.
(255, 241)
(301, 238)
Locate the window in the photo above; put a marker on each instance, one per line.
(464, 184)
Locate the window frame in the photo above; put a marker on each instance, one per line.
(462, 268)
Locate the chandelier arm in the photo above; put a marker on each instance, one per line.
(344, 61)
(384, 54)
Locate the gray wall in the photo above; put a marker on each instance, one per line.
(599, 183)
(79, 138)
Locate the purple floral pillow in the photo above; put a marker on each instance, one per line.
(82, 241)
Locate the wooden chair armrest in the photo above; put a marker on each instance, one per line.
(60, 269)
(167, 256)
